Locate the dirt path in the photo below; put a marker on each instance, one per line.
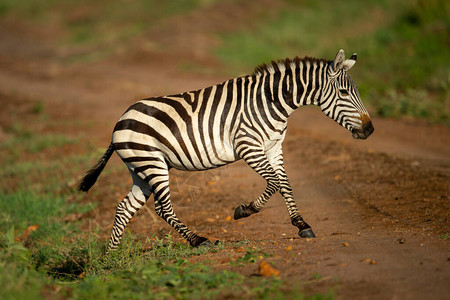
(379, 207)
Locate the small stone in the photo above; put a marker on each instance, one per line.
(401, 241)
(345, 244)
(415, 164)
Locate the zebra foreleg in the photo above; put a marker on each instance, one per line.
(305, 230)
(263, 168)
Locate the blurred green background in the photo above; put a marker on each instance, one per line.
(403, 46)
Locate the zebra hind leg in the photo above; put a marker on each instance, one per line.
(159, 184)
(126, 209)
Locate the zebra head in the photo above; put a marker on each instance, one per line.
(340, 98)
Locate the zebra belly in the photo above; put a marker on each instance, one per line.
(138, 145)
(145, 136)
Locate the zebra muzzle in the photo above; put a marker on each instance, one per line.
(364, 132)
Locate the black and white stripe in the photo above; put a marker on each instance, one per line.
(242, 118)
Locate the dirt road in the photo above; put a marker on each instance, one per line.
(380, 208)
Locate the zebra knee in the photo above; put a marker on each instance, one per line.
(275, 185)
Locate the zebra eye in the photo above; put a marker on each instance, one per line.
(344, 92)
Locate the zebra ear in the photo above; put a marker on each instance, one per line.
(339, 60)
(349, 63)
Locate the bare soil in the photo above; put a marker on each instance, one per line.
(380, 207)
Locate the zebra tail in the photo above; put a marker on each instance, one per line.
(91, 176)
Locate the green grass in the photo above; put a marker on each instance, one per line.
(156, 269)
(24, 140)
(403, 67)
(301, 28)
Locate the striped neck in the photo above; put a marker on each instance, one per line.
(293, 83)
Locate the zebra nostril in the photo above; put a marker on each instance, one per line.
(368, 128)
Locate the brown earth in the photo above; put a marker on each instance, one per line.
(380, 207)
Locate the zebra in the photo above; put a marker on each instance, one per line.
(242, 118)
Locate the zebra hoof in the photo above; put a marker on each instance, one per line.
(200, 241)
(206, 243)
(306, 233)
(240, 212)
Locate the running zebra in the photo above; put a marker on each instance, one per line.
(242, 118)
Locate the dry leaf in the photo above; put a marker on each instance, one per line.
(266, 270)
(29, 230)
(345, 244)
(369, 261)
(288, 248)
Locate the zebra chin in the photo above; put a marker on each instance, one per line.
(364, 132)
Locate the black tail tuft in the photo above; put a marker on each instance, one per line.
(91, 176)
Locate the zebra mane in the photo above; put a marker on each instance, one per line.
(285, 63)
